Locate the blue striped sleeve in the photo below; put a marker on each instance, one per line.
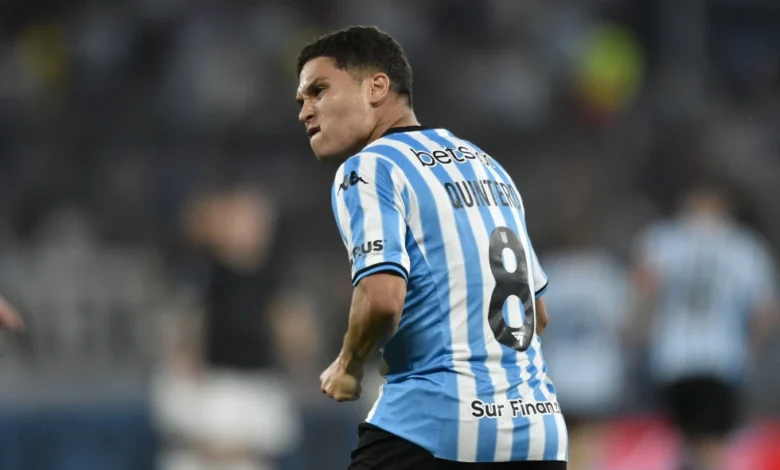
(370, 211)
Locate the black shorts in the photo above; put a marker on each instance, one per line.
(703, 406)
(377, 449)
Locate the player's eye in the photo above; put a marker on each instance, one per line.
(318, 91)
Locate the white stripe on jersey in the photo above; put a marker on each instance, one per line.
(399, 181)
(376, 403)
(372, 210)
(467, 389)
(343, 212)
(563, 432)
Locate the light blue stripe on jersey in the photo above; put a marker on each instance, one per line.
(508, 356)
(550, 424)
(488, 428)
(447, 442)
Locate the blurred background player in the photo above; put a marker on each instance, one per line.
(708, 305)
(585, 346)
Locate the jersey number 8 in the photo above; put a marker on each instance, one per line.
(510, 283)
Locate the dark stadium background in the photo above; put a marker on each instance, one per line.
(164, 226)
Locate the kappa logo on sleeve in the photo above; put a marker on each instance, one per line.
(351, 180)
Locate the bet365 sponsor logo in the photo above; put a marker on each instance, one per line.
(374, 246)
(448, 155)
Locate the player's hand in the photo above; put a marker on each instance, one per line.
(9, 319)
(341, 381)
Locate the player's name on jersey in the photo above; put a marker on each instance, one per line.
(481, 193)
(513, 408)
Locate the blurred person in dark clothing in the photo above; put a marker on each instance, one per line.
(707, 291)
(233, 410)
(240, 234)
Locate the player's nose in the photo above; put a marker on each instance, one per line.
(306, 114)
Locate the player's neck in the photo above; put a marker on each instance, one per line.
(403, 118)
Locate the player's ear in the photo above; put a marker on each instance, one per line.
(379, 84)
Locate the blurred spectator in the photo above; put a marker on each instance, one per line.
(233, 410)
(707, 293)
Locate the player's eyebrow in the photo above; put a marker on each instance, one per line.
(309, 89)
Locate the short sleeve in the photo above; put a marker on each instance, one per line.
(369, 208)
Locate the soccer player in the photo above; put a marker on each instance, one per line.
(707, 290)
(445, 278)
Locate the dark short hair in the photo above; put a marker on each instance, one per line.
(361, 48)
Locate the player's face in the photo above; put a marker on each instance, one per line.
(335, 109)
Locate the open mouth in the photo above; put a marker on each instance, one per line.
(312, 131)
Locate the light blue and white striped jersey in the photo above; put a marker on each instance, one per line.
(713, 274)
(466, 379)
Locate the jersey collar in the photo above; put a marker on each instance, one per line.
(398, 130)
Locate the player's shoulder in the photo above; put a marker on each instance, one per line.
(366, 160)
(748, 243)
(365, 167)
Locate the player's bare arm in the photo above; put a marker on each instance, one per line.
(377, 303)
(542, 320)
(9, 318)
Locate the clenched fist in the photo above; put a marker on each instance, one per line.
(341, 381)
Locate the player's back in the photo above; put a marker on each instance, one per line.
(713, 273)
(465, 374)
